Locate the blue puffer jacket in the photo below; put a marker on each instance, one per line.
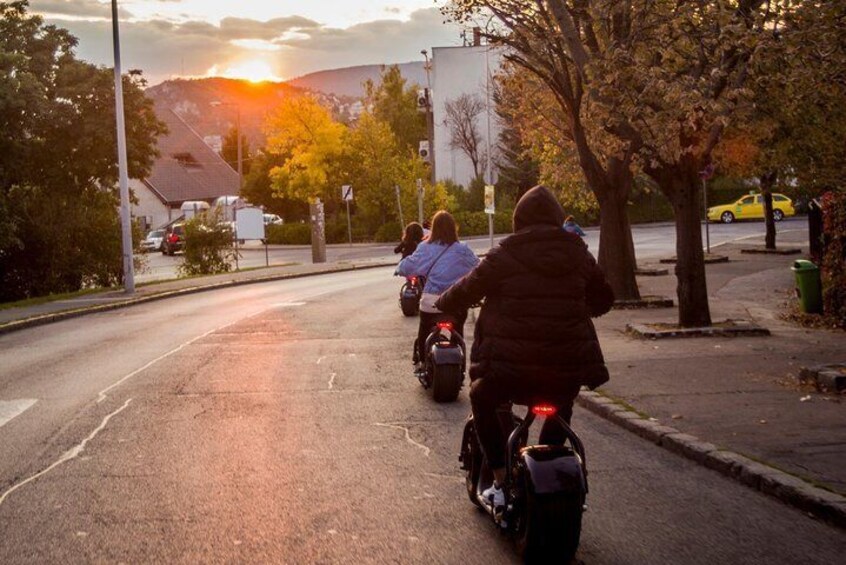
(455, 262)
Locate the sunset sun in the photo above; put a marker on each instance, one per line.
(253, 71)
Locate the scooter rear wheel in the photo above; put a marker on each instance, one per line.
(446, 382)
(551, 527)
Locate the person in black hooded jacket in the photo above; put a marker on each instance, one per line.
(534, 338)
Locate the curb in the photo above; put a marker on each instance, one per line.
(645, 303)
(787, 488)
(651, 272)
(827, 378)
(747, 329)
(709, 259)
(764, 251)
(45, 319)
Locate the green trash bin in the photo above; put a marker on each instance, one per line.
(808, 286)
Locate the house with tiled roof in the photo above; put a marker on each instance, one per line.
(186, 170)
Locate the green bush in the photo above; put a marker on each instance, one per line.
(208, 246)
(289, 234)
(476, 223)
(391, 231)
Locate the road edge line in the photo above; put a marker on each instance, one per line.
(789, 489)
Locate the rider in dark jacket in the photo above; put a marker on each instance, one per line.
(534, 337)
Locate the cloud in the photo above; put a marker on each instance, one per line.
(74, 9)
(164, 48)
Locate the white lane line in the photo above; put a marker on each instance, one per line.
(425, 449)
(753, 236)
(11, 408)
(332, 380)
(102, 395)
(68, 455)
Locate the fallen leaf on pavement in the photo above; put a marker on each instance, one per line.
(805, 398)
(677, 416)
(762, 421)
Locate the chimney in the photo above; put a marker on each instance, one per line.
(477, 36)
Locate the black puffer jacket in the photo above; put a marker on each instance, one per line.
(541, 287)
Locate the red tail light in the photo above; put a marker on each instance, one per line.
(545, 410)
(413, 280)
(445, 325)
(172, 238)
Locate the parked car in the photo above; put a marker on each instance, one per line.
(174, 239)
(751, 207)
(153, 241)
(272, 219)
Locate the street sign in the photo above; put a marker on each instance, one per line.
(489, 199)
(347, 193)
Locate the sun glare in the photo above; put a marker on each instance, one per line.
(253, 71)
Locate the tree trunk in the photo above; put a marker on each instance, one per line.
(692, 288)
(767, 182)
(616, 248)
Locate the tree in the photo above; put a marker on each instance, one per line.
(551, 48)
(394, 102)
(229, 151)
(59, 230)
(788, 133)
(461, 117)
(304, 131)
(258, 188)
(529, 106)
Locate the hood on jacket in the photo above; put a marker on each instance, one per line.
(537, 207)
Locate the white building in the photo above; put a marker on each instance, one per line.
(458, 71)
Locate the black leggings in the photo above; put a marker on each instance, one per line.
(487, 395)
(428, 321)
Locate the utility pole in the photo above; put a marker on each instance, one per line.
(430, 117)
(123, 174)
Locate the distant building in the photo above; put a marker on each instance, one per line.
(187, 169)
(458, 71)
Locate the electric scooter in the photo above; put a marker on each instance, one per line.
(410, 293)
(445, 363)
(545, 489)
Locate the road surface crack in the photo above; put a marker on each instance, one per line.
(408, 438)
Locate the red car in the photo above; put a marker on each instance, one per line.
(174, 239)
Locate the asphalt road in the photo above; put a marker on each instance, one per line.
(280, 423)
(652, 241)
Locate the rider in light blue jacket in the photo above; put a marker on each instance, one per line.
(442, 260)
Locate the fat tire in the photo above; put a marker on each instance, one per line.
(409, 307)
(446, 382)
(552, 527)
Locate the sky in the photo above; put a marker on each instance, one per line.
(252, 39)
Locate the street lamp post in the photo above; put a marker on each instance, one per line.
(123, 174)
(430, 116)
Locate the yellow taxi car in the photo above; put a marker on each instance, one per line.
(751, 206)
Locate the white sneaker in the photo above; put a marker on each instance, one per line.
(494, 495)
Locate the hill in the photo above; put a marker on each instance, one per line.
(348, 81)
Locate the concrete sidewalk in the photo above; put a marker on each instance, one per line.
(741, 394)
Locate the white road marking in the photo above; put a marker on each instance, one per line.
(753, 236)
(332, 380)
(288, 304)
(319, 359)
(71, 453)
(425, 449)
(11, 408)
(102, 395)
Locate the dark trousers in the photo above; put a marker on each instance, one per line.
(428, 321)
(487, 395)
